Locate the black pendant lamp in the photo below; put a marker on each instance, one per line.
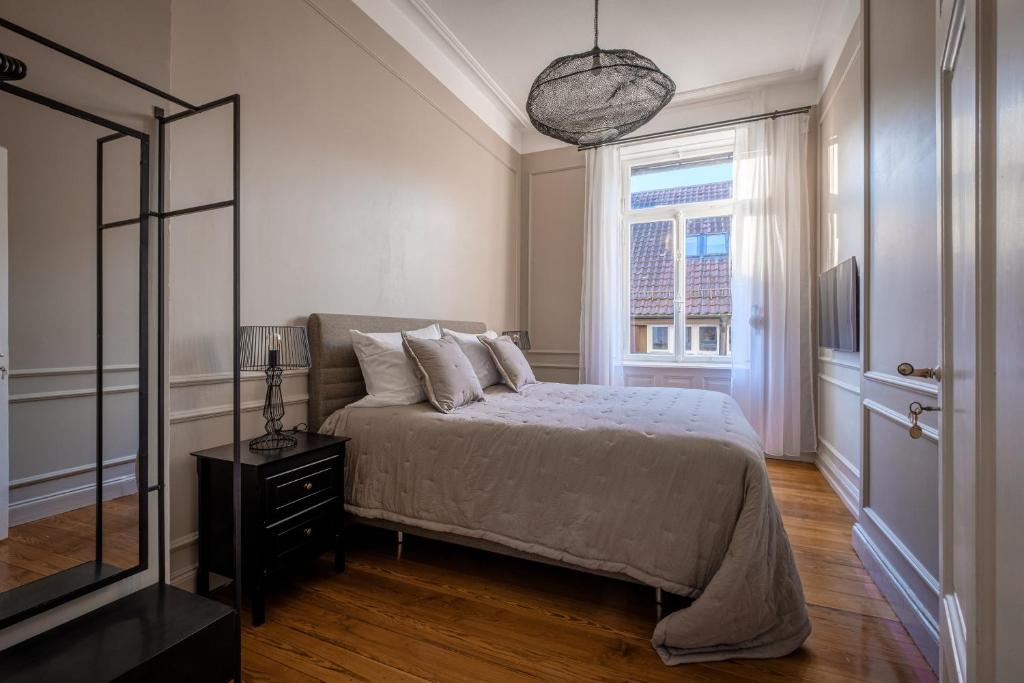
(597, 96)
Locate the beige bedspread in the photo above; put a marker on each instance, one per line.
(667, 486)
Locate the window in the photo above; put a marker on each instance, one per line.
(677, 219)
(708, 339)
(660, 338)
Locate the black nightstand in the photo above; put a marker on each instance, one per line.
(292, 509)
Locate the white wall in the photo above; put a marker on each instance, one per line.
(367, 187)
(841, 236)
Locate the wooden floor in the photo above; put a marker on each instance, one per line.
(444, 613)
(50, 545)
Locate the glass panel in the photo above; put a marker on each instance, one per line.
(693, 246)
(659, 338)
(715, 245)
(708, 339)
(689, 338)
(652, 284)
(53, 545)
(708, 281)
(682, 182)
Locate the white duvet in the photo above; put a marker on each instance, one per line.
(667, 486)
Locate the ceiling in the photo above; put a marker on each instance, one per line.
(501, 45)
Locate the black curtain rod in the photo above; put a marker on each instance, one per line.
(702, 127)
(10, 26)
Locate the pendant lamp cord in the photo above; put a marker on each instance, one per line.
(595, 23)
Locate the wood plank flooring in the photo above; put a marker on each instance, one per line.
(445, 613)
(52, 544)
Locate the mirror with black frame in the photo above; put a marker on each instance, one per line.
(70, 332)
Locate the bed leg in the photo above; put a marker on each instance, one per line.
(401, 539)
(657, 602)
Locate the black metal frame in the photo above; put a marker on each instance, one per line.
(68, 590)
(162, 215)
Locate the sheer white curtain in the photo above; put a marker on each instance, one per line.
(772, 269)
(602, 320)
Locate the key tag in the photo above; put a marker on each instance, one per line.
(915, 429)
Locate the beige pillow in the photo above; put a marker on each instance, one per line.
(478, 355)
(444, 370)
(512, 364)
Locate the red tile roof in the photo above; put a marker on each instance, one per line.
(652, 272)
(707, 192)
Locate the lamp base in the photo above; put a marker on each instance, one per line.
(272, 442)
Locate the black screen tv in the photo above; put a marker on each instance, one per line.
(839, 307)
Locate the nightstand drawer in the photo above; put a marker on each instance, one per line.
(290, 492)
(307, 532)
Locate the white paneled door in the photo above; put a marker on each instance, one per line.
(967, 493)
(897, 530)
(4, 353)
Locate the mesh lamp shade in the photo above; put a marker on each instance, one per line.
(272, 349)
(594, 97)
(266, 346)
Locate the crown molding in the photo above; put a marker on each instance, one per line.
(418, 29)
(731, 88)
(517, 112)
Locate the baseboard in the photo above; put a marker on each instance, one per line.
(921, 626)
(836, 476)
(66, 500)
(803, 457)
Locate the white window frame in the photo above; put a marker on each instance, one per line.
(694, 147)
(671, 340)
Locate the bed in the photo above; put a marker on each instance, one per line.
(666, 487)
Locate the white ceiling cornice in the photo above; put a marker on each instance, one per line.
(446, 33)
(417, 28)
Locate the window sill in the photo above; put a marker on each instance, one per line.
(685, 364)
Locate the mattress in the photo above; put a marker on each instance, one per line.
(666, 486)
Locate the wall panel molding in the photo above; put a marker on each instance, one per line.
(212, 378)
(71, 370)
(70, 393)
(209, 412)
(69, 472)
(901, 382)
(839, 362)
(845, 386)
(929, 433)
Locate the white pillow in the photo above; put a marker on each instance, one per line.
(389, 374)
(480, 358)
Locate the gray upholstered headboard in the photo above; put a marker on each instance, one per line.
(335, 379)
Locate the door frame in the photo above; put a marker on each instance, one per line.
(967, 634)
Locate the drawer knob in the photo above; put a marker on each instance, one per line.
(308, 486)
(307, 531)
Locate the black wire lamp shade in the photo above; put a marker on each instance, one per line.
(597, 96)
(273, 349)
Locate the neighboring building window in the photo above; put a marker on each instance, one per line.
(659, 338)
(708, 339)
(677, 220)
